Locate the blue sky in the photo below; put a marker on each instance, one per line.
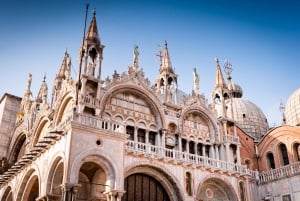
(259, 38)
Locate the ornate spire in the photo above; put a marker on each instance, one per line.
(166, 61)
(166, 82)
(43, 92)
(219, 76)
(25, 104)
(228, 69)
(92, 33)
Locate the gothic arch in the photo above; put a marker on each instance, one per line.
(159, 173)
(153, 102)
(101, 159)
(39, 129)
(61, 109)
(18, 148)
(215, 188)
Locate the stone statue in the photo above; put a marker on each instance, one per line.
(135, 58)
(196, 81)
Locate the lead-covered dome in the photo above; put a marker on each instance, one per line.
(235, 89)
(248, 116)
(292, 109)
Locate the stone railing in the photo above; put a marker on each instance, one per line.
(98, 123)
(279, 173)
(189, 159)
(231, 139)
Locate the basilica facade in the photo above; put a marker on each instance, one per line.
(121, 138)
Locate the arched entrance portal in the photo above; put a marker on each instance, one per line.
(140, 186)
(215, 189)
(92, 180)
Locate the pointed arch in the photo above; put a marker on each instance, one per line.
(64, 108)
(18, 148)
(40, 130)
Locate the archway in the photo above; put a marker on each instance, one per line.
(55, 178)
(31, 191)
(7, 196)
(141, 186)
(93, 182)
(214, 189)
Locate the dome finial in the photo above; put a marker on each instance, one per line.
(282, 109)
(228, 69)
(217, 60)
(44, 78)
(94, 12)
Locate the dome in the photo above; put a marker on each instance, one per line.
(292, 109)
(248, 116)
(235, 89)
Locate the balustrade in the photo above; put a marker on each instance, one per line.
(98, 123)
(187, 158)
(279, 173)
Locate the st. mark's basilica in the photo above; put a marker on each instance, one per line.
(126, 138)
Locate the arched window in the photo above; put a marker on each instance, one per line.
(296, 151)
(270, 159)
(141, 135)
(284, 154)
(130, 132)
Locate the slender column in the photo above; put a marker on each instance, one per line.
(157, 139)
(225, 128)
(187, 146)
(66, 192)
(114, 195)
(147, 136)
(99, 67)
(203, 150)
(135, 138)
(234, 130)
(217, 152)
(175, 94)
(238, 155)
(164, 131)
(222, 153)
(227, 152)
(212, 151)
(82, 90)
(195, 148)
(180, 143)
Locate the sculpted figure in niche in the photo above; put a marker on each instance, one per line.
(188, 181)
